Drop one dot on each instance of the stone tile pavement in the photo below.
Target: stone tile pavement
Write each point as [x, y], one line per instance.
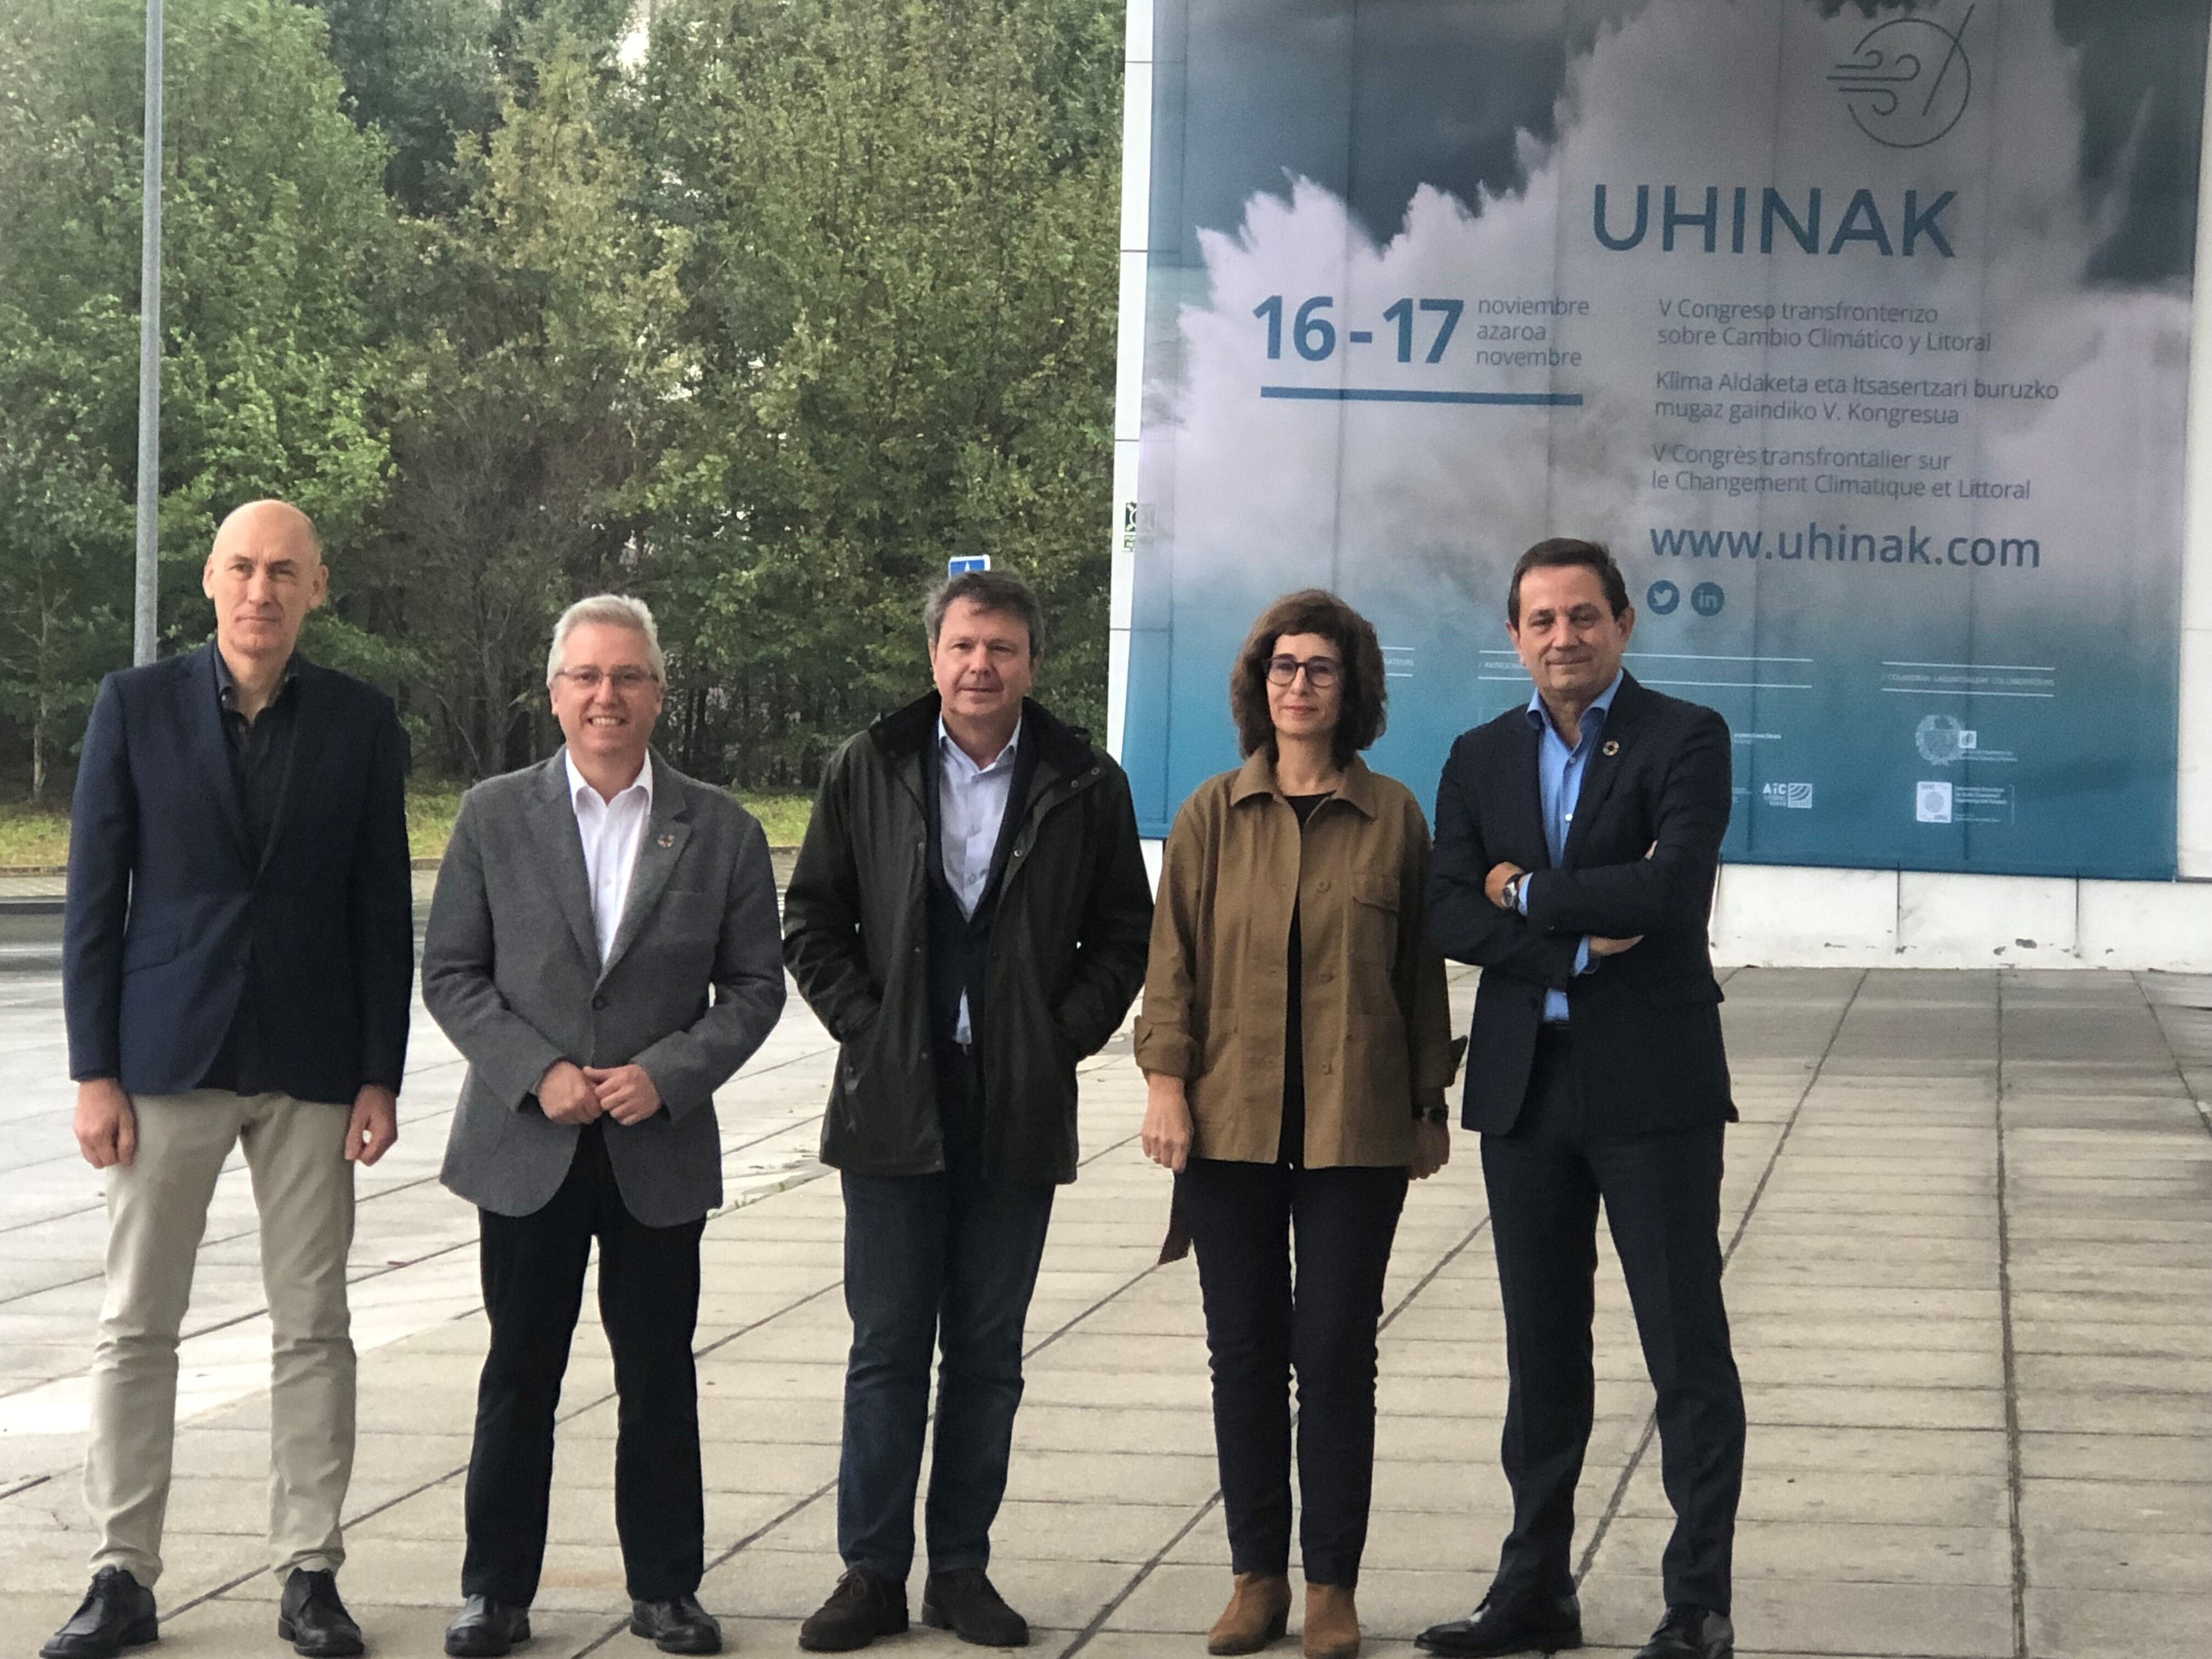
[1969, 1224]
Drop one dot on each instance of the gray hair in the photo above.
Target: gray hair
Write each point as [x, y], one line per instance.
[615, 611]
[999, 590]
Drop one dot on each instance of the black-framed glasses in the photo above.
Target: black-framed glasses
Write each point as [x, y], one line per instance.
[1322, 672]
[625, 680]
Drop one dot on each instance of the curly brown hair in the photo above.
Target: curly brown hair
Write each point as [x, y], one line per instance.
[1362, 715]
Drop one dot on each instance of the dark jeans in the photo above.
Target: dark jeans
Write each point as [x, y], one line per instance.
[946, 1260]
[533, 1288]
[1261, 1324]
[1662, 1194]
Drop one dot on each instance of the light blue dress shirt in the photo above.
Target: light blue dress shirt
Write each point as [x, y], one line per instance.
[971, 804]
[1560, 785]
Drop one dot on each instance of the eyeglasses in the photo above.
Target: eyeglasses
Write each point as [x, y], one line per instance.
[625, 680]
[1320, 672]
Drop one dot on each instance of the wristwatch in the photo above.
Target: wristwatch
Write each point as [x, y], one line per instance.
[1439, 1113]
[1512, 890]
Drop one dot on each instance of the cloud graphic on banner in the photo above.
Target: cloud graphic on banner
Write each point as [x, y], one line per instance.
[1418, 507]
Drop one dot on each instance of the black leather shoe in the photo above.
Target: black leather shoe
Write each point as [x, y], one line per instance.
[964, 1601]
[864, 1606]
[487, 1627]
[1691, 1632]
[117, 1612]
[1538, 1624]
[313, 1619]
[678, 1624]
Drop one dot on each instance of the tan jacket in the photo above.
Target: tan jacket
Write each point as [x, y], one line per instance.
[1377, 1028]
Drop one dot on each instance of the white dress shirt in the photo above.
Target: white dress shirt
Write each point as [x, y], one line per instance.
[612, 831]
[971, 804]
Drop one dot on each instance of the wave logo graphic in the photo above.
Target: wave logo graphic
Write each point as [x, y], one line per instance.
[1908, 81]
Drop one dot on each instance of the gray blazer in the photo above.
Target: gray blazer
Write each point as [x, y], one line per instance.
[511, 971]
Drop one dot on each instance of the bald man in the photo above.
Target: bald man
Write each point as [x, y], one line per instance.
[237, 959]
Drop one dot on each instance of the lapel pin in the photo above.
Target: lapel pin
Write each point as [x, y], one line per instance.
[667, 840]
[1611, 746]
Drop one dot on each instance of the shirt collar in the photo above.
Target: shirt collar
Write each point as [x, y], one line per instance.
[578, 785]
[946, 745]
[226, 683]
[1601, 706]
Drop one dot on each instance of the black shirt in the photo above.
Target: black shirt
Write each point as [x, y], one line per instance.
[260, 748]
[1291, 1148]
[260, 754]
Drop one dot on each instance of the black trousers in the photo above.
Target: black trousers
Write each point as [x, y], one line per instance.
[947, 1262]
[1262, 1324]
[533, 1288]
[1662, 1195]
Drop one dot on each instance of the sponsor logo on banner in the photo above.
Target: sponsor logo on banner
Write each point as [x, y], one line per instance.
[1908, 82]
[1796, 796]
[1931, 801]
[1942, 740]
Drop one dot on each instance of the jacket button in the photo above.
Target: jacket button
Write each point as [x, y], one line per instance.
[1327, 1066]
[599, 1002]
[1322, 886]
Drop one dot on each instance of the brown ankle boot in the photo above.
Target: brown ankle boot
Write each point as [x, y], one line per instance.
[1258, 1613]
[1332, 1629]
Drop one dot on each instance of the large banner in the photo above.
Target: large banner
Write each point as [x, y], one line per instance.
[1860, 332]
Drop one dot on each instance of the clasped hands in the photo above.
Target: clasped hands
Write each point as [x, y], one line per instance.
[1493, 888]
[576, 1095]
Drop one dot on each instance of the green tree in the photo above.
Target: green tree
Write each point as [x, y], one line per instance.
[529, 411]
[899, 329]
[276, 234]
[423, 74]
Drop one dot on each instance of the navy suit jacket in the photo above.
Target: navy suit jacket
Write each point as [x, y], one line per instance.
[1646, 1022]
[171, 922]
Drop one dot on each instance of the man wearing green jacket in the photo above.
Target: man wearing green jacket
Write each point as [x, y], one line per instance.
[970, 918]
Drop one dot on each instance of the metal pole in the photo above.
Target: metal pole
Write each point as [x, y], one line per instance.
[147, 594]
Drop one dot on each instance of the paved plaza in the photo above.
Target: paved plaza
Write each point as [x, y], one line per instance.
[1969, 1226]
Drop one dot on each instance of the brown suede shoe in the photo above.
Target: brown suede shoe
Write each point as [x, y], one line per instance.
[1258, 1613]
[1332, 1628]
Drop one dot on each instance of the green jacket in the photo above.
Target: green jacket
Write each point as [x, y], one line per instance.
[1067, 948]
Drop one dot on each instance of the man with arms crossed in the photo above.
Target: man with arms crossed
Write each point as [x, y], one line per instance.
[237, 959]
[602, 951]
[1578, 840]
[970, 917]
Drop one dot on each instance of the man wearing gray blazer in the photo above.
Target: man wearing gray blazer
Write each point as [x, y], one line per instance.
[603, 950]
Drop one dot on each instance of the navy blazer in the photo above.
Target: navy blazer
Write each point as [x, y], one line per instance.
[170, 923]
[1646, 1022]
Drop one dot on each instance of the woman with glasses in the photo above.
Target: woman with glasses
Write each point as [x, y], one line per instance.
[1296, 1046]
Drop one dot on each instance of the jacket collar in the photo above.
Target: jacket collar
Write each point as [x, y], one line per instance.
[908, 731]
[667, 828]
[1257, 777]
[1539, 718]
[226, 683]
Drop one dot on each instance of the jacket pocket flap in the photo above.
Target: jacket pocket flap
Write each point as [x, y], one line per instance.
[1382, 891]
[151, 948]
[1676, 994]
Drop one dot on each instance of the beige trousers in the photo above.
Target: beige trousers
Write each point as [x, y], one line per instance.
[157, 1209]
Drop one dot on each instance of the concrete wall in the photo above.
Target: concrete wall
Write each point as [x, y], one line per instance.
[1780, 915]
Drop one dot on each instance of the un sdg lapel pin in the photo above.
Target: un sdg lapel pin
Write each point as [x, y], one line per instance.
[1610, 747]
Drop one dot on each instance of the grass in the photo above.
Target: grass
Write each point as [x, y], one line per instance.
[33, 837]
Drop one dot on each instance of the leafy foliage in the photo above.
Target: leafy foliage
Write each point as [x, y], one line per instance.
[761, 320]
